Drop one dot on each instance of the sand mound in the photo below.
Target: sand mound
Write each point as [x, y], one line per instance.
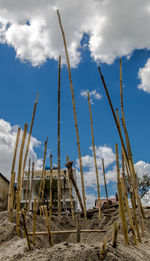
[65, 247]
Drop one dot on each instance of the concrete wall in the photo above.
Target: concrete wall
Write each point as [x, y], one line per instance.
[4, 186]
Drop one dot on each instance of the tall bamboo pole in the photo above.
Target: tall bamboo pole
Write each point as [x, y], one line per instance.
[59, 181]
[12, 169]
[121, 203]
[48, 225]
[106, 187]
[95, 161]
[30, 192]
[75, 115]
[51, 182]
[43, 169]
[34, 219]
[12, 196]
[131, 163]
[70, 192]
[28, 141]
[27, 185]
[19, 179]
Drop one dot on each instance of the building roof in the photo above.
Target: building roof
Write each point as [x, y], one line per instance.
[3, 177]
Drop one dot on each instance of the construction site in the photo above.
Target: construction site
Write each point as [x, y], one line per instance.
[44, 213]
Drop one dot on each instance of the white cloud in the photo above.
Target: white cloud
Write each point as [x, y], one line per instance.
[7, 143]
[115, 28]
[94, 95]
[142, 168]
[144, 76]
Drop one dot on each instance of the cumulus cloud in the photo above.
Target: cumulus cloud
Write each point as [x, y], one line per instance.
[94, 95]
[115, 28]
[7, 143]
[142, 168]
[144, 76]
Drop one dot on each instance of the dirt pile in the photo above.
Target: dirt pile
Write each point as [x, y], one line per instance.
[65, 247]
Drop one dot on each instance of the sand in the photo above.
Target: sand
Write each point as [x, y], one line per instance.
[65, 247]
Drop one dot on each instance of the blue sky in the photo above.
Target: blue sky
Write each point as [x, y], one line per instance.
[28, 66]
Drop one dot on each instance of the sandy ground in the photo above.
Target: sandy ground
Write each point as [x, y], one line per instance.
[65, 247]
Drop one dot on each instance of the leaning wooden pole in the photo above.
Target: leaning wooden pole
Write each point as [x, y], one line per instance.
[70, 192]
[95, 161]
[12, 170]
[27, 185]
[51, 182]
[106, 187]
[12, 197]
[19, 179]
[58, 132]
[121, 202]
[28, 141]
[75, 115]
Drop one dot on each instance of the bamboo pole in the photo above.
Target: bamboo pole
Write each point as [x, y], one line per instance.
[43, 168]
[28, 141]
[27, 185]
[30, 192]
[12, 196]
[103, 249]
[59, 181]
[12, 170]
[123, 186]
[39, 233]
[121, 203]
[95, 161]
[51, 182]
[69, 167]
[131, 164]
[19, 179]
[43, 187]
[25, 229]
[78, 230]
[34, 219]
[64, 194]
[115, 234]
[70, 192]
[106, 187]
[75, 115]
[48, 226]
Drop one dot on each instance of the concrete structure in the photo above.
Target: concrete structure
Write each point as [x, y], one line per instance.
[103, 201]
[4, 187]
[36, 184]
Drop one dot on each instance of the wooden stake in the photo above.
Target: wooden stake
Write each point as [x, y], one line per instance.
[28, 141]
[48, 226]
[12, 196]
[12, 171]
[27, 185]
[19, 180]
[106, 187]
[95, 161]
[103, 249]
[34, 219]
[121, 203]
[30, 192]
[78, 230]
[51, 182]
[25, 229]
[75, 115]
[70, 192]
[115, 234]
[59, 181]
[69, 166]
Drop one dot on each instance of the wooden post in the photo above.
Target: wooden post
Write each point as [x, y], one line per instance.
[95, 161]
[48, 226]
[30, 192]
[25, 229]
[59, 181]
[43, 168]
[69, 166]
[34, 219]
[28, 141]
[64, 194]
[121, 203]
[106, 187]
[12, 170]
[12, 197]
[27, 185]
[123, 186]
[115, 234]
[19, 180]
[70, 192]
[75, 115]
[78, 230]
[103, 249]
[51, 182]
